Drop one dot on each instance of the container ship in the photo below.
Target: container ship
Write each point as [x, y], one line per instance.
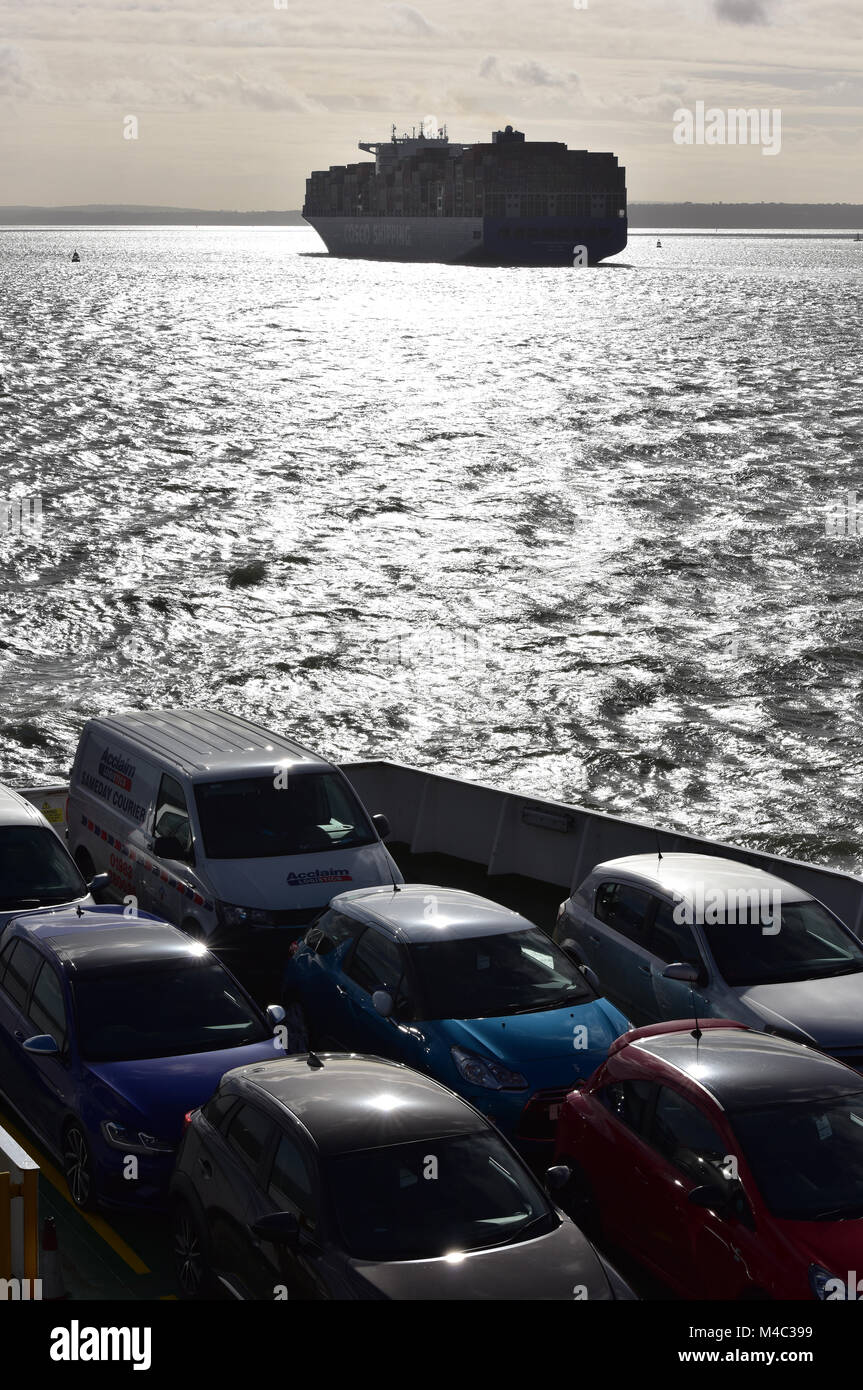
[511, 202]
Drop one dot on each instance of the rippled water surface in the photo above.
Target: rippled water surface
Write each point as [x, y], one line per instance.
[562, 531]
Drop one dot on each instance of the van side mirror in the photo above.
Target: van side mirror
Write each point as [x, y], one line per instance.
[592, 979]
[709, 1198]
[381, 825]
[557, 1177]
[98, 885]
[169, 847]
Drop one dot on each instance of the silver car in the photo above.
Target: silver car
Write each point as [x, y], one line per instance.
[36, 869]
[675, 935]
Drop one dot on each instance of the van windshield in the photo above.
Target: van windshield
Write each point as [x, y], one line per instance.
[35, 869]
[252, 818]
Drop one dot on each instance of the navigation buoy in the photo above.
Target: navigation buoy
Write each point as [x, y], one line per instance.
[659, 244]
[75, 256]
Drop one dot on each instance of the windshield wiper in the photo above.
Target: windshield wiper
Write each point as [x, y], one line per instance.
[20, 902]
[838, 1214]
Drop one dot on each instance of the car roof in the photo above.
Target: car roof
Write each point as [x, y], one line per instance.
[206, 741]
[358, 1102]
[420, 912]
[683, 874]
[17, 810]
[742, 1068]
[104, 937]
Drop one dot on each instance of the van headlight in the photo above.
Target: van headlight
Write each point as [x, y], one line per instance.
[823, 1283]
[234, 916]
[482, 1071]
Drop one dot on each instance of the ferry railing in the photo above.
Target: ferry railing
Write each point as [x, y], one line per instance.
[19, 1221]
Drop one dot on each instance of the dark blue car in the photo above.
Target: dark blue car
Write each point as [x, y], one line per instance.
[112, 1028]
[458, 987]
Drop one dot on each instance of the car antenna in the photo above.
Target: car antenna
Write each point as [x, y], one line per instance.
[658, 845]
[80, 913]
[313, 1060]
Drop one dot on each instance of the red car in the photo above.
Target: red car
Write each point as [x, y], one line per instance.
[728, 1162]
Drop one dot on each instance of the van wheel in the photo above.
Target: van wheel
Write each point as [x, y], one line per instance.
[193, 928]
[85, 864]
[191, 1254]
[78, 1167]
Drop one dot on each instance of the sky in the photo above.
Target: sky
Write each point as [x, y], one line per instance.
[236, 101]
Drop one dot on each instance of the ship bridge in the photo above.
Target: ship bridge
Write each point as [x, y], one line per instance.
[402, 146]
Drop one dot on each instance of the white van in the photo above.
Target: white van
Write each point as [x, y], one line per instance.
[218, 825]
[36, 870]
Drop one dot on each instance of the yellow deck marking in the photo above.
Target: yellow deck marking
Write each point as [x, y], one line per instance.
[96, 1223]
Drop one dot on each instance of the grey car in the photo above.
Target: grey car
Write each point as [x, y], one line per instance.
[759, 950]
[350, 1177]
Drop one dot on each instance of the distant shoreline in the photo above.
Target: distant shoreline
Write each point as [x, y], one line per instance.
[685, 217]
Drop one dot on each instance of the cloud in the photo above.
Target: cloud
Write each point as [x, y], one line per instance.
[527, 74]
[412, 21]
[14, 84]
[742, 11]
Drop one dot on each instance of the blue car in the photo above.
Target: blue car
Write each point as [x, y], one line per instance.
[111, 1030]
[457, 987]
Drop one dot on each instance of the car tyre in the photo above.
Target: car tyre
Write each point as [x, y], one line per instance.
[78, 1167]
[190, 1254]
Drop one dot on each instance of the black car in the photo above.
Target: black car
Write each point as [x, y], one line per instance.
[350, 1177]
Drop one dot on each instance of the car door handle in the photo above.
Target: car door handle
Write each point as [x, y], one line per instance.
[645, 969]
[594, 939]
[205, 1168]
[19, 1036]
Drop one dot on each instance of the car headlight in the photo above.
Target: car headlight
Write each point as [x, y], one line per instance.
[234, 916]
[482, 1071]
[119, 1137]
[820, 1278]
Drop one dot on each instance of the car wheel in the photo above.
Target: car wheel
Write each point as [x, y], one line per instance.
[191, 1254]
[78, 1168]
[578, 1200]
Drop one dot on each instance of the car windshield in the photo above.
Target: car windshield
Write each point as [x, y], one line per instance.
[161, 1010]
[809, 945]
[252, 818]
[807, 1157]
[496, 973]
[436, 1197]
[35, 869]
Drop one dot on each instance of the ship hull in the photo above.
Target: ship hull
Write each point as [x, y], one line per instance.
[538, 241]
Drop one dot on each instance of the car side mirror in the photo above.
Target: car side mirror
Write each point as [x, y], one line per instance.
[592, 978]
[279, 1228]
[686, 974]
[712, 1199]
[169, 847]
[381, 825]
[276, 1014]
[382, 1003]
[98, 885]
[43, 1045]
[557, 1177]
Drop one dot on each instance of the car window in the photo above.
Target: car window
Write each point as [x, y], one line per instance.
[672, 941]
[623, 908]
[291, 1186]
[217, 1110]
[331, 930]
[248, 1133]
[22, 969]
[47, 1010]
[683, 1134]
[629, 1102]
[172, 816]
[5, 957]
[378, 963]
